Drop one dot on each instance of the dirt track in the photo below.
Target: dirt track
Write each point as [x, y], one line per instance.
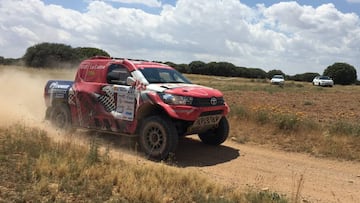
[231, 164]
[246, 165]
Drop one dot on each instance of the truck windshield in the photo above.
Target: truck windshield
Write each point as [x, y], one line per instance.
[162, 75]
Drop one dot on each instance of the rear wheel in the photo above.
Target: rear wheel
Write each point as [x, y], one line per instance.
[60, 117]
[217, 135]
[158, 137]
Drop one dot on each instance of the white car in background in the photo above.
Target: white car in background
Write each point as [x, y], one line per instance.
[277, 80]
[322, 80]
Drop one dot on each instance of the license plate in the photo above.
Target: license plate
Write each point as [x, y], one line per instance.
[207, 120]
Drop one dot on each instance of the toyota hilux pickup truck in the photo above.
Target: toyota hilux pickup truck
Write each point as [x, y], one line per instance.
[150, 101]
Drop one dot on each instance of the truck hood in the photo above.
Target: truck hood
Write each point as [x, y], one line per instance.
[186, 90]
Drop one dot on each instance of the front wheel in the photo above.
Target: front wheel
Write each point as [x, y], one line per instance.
[158, 137]
[217, 135]
[60, 117]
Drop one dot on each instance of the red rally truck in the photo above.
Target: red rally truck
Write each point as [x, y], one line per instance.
[149, 100]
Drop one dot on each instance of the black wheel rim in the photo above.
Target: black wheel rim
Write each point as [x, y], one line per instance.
[59, 119]
[155, 138]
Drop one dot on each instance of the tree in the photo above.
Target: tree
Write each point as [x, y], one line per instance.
[341, 73]
[306, 77]
[49, 55]
[271, 73]
[197, 67]
[223, 69]
[256, 73]
[182, 68]
[10, 61]
[58, 55]
[87, 52]
[169, 63]
[241, 72]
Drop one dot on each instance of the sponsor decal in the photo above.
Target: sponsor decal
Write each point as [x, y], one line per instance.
[56, 91]
[56, 85]
[93, 66]
[125, 104]
[91, 73]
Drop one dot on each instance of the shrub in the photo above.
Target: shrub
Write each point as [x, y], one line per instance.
[344, 128]
[341, 73]
[288, 122]
[262, 116]
[239, 111]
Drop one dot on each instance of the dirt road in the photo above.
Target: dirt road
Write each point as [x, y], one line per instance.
[238, 165]
[250, 166]
[231, 164]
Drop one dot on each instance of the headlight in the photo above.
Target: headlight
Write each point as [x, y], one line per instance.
[176, 99]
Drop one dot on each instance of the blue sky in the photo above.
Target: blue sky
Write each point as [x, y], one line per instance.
[80, 5]
[342, 5]
[293, 36]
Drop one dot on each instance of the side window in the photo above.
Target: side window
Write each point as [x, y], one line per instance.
[117, 74]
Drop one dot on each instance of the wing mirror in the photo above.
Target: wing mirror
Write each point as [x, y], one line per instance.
[130, 81]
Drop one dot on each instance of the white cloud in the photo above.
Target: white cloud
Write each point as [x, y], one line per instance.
[150, 3]
[316, 33]
[286, 36]
[353, 1]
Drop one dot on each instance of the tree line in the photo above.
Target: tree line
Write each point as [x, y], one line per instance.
[55, 55]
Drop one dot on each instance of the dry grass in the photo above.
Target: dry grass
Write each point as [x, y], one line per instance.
[291, 132]
[299, 117]
[36, 169]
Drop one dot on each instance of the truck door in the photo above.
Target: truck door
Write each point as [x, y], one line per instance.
[123, 97]
[125, 102]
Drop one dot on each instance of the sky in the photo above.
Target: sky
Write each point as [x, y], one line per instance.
[293, 36]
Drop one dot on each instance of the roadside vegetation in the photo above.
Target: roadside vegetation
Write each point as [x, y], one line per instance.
[297, 124]
[34, 168]
[292, 132]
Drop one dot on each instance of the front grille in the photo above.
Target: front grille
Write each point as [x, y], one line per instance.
[201, 102]
[211, 113]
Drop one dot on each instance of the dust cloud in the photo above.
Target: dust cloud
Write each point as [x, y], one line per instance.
[22, 101]
[22, 93]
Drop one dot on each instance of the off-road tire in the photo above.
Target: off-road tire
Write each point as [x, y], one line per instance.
[157, 137]
[60, 117]
[217, 135]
